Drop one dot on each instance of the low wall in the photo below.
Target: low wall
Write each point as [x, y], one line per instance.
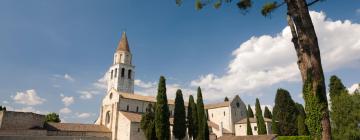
[77, 133]
[21, 120]
[18, 132]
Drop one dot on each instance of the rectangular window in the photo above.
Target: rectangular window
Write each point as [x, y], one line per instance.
[255, 128]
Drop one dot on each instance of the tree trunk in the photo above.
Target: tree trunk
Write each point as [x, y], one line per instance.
[309, 61]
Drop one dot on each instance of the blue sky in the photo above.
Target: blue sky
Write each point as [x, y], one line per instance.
[61, 48]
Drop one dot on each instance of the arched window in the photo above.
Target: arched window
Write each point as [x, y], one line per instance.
[122, 72]
[107, 119]
[137, 109]
[110, 96]
[129, 74]
[115, 72]
[111, 75]
[127, 108]
[224, 113]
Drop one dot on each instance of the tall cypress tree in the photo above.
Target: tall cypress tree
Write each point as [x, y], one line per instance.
[301, 126]
[267, 113]
[285, 113]
[248, 125]
[201, 125]
[162, 124]
[336, 87]
[259, 118]
[250, 112]
[147, 123]
[192, 118]
[274, 126]
[179, 128]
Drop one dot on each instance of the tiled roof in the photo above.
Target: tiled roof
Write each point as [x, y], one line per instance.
[133, 117]
[75, 127]
[217, 105]
[213, 125]
[123, 44]
[252, 120]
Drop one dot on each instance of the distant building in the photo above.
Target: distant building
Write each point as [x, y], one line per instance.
[241, 126]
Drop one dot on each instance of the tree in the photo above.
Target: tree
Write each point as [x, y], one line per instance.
[274, 126]
[192, 118]
[308, 53]
[259, 118]
[162, 124]
[2, 108]
[250, 112]
[202, 121]
[147, 123]
[285, 113]
[345, 112]
[248, 125]
[52, 117]
[267, 113]
[336, 87]
[301, 126]
[226, 99]
[179, 128]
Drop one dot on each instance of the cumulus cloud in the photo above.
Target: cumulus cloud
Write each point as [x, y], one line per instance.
[266, 60]
[65, 110]
[29, 109]
[67, 100]
[65, 77]
[354, 87]
[87, 94]
[29, 97]
[101, 84]
[83, 115]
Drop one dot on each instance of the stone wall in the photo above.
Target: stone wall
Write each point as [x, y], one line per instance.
[21, 120]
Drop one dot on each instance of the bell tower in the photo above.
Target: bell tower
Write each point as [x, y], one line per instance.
[121, 73]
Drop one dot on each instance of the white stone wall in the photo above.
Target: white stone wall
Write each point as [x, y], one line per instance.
[123, 132]
[240, 129]
[221, 116]
[119, 83]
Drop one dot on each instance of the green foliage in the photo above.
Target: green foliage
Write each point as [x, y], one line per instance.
[147, 123]
[248, 125]
[2, 108]
[294, 138]
[267, 113]
[274, 125]
[285, 113]
[52, 117]
[162, 124]
[250, 112]
[179, 128]
[192, 118]
[314, 104]
[202, 121]
[198, 5]
[244, 4]
[268, 8]
[345, 112]
[336, 87]
[226, 99]
[259, 118]
[301, 126]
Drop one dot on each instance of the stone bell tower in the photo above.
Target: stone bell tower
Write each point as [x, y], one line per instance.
[121, 73]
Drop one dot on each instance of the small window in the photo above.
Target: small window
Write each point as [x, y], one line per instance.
[129, 74]
[224, 113]
[127, 108]
[115, 72]
[111, 75]
[120, 58]
[238, 104]
[212, 115]
[111, 95]
[137, 109]
[122, 72]
[255, 128]
[138, 129]
[107, 119]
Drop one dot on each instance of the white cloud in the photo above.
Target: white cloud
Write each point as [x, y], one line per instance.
[65, 110]
[357, 11]
[143, 84]
[266, 60]
[5, 102]
[67, 100]
[83, 115]
[29, 109]
[65, 77]
[354, 87]
[101, 84]
[87, 94]
[28, 97]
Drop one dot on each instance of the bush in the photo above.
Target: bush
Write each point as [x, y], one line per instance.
[293, 138]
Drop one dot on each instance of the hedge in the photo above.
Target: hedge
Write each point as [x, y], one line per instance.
[293, 138]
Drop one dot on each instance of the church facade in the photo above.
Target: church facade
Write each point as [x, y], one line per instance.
[121, 108]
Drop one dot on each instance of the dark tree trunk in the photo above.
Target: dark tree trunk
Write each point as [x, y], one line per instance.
[308, 53]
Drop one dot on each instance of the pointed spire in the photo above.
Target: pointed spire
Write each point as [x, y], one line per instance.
[123, 44]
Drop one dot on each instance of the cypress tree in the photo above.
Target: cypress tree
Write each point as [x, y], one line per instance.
[259, 118]
[250, 112]
[201, 125]
[248, 125]
[301, 126]
[162, 124]
[285, 113]
[147, 123]
[267, 113]
[192, 118]
[179, 128]
[336, 87]
[274, 126]
[226, 99]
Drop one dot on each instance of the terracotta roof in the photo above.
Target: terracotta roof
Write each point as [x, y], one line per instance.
[252, 137]
[252, 120]
[213, 125]
[217, 105]
[75, 127]
[133, 117]
[123, 44]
